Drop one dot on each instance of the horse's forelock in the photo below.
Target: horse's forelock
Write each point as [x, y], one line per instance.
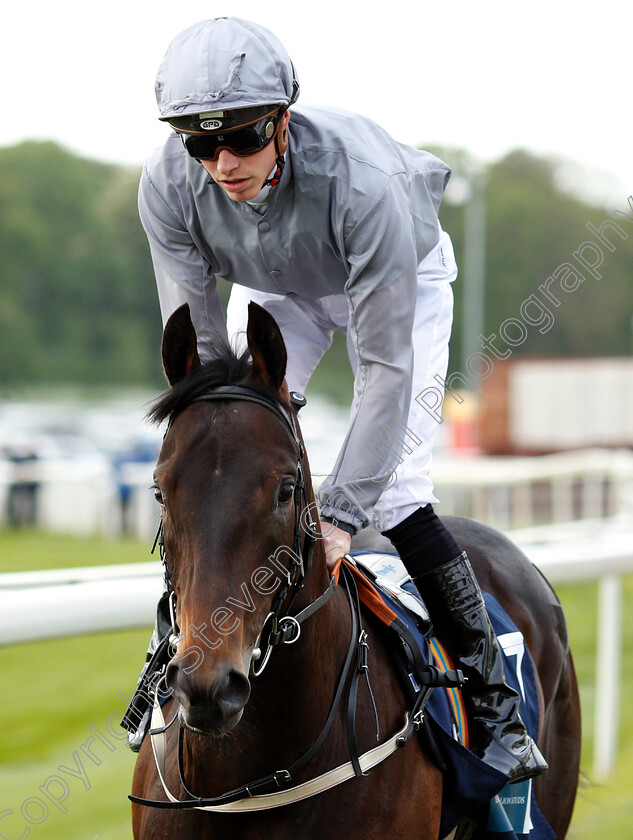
[227, 368]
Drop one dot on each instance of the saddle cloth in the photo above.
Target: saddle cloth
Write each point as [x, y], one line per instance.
[471, 787]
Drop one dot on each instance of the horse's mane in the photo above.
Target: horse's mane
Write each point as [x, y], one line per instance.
[226, 368]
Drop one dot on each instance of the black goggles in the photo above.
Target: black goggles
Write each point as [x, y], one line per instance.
[243, 141]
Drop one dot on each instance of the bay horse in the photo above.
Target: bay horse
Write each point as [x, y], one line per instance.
[233, 484]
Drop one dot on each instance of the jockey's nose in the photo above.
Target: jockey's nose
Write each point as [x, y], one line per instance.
[212, 702]
[227, 162]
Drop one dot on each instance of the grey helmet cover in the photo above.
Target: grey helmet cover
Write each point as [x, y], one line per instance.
[224, 64]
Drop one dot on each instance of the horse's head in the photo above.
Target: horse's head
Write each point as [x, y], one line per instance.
[227, 481]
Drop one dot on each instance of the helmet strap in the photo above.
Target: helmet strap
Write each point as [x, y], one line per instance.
[281, 144]
[276, 176]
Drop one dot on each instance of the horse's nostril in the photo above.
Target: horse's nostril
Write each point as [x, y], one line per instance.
[230, 693]
[178, 682]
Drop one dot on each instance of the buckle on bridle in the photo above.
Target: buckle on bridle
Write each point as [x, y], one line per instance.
[418, 719]
[264, 641]
[282, 777]
[289, 630]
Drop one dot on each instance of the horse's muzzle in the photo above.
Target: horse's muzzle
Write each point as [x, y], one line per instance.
[210, 704]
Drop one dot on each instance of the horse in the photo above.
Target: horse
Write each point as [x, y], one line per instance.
[236, 499]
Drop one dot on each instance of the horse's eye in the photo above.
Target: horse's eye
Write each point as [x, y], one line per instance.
[286, 492]
[157, 494]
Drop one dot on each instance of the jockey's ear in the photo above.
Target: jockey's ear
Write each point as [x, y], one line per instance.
[282, 133]
[179, 348]
[267, 347]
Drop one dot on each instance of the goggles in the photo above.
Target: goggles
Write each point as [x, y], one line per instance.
[242, 140]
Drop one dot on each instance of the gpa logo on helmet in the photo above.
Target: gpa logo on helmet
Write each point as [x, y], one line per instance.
[211, 125]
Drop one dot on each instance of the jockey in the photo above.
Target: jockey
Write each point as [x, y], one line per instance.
[330, 224]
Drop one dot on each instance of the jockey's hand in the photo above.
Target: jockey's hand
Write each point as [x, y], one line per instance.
[336, 543]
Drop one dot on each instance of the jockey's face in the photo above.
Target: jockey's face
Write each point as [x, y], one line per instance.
[242, 176]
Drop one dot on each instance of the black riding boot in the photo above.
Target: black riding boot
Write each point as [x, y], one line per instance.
[137, 717]
[458, 611]
[447, 583]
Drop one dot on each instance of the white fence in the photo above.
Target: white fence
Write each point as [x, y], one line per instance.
[62, 495]
[38, 605]
[590, 550]
[71, 602]
[84, 496]
[510, 493]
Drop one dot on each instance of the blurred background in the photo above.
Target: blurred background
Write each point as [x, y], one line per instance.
[528, 107]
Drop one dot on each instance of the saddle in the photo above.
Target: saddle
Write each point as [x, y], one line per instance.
[473, 790]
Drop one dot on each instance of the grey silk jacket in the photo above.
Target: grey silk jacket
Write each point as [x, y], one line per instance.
[354, 213]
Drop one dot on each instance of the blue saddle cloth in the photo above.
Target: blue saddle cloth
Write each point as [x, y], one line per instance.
[470, 784]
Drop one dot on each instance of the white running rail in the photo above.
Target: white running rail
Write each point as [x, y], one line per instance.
[65, 602]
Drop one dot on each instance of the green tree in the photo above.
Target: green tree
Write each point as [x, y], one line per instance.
[78, 301]
[76, 279]
[533, 226]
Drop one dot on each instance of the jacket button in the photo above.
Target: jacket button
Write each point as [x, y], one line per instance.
[264, 226]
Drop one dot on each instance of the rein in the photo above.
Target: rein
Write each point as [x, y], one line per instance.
[273, 790]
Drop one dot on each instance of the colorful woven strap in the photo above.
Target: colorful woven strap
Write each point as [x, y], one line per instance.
[444, 662]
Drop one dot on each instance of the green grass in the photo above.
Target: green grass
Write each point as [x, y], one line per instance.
[26, 550]
[604, 811]
[58, 690]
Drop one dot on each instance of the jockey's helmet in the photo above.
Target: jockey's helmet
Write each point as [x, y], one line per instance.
[225, 74]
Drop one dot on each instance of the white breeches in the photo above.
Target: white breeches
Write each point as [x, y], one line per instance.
[307, 328]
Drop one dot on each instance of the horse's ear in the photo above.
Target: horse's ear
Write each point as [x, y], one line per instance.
[267, 347]
[180, 346]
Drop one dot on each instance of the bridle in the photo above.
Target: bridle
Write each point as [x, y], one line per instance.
[284, 629]
[277, 629]
[274, 790]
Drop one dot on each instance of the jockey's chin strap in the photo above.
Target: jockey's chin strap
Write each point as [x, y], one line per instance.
[281, 141]
[276, 176]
